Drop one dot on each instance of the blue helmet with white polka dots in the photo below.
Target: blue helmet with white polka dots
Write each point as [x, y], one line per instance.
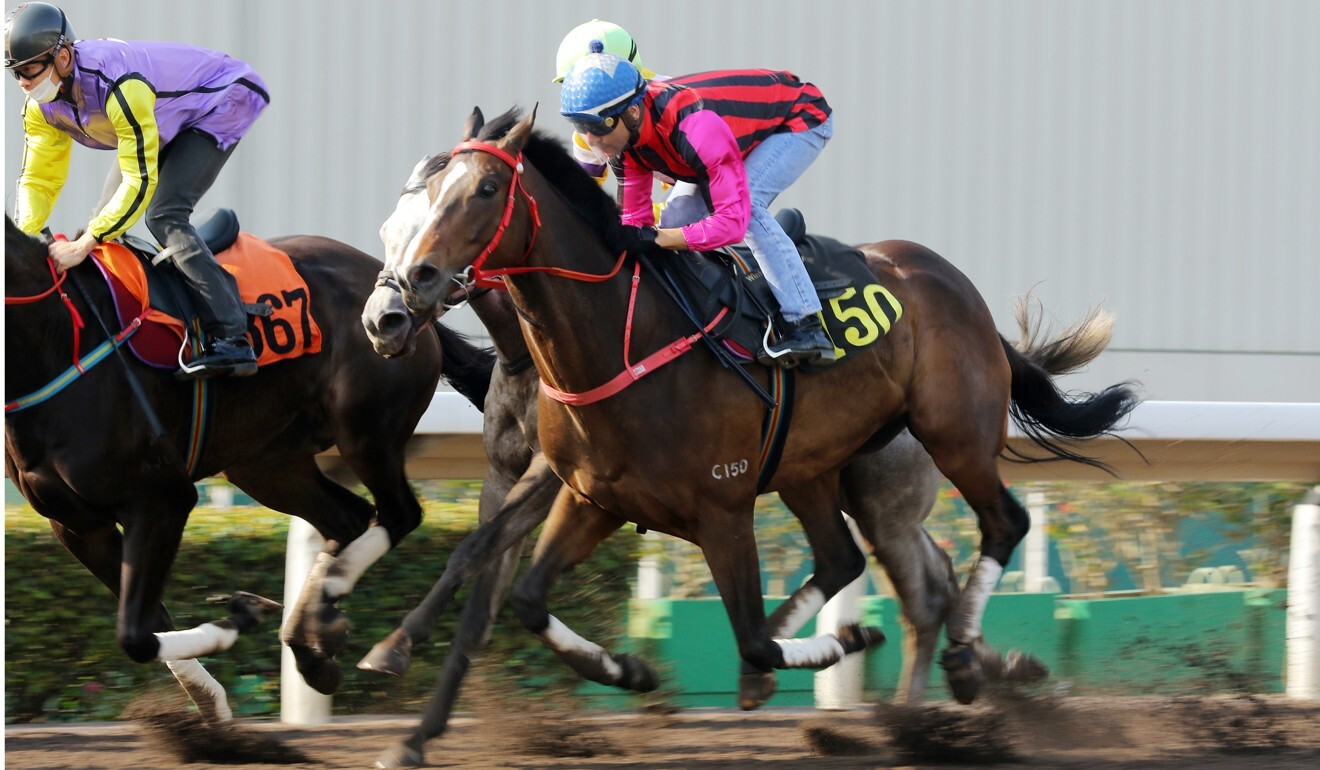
[598, 88]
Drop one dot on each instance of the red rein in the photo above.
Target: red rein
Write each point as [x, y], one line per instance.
[59, 279]
[631, 372]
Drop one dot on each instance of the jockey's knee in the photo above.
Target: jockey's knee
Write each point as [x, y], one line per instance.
[141, 646]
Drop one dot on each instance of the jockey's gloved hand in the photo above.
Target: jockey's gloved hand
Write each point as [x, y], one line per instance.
[641, 240]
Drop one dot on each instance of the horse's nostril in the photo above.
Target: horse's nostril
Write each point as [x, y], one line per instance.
[423, 275]
[390, 322]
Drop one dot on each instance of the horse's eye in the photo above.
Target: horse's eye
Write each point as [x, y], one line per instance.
[487, 189]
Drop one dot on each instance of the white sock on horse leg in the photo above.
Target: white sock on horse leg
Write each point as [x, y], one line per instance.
[965, 626]
[206, 639]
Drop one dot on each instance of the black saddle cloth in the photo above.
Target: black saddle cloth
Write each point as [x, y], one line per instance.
[732, 278]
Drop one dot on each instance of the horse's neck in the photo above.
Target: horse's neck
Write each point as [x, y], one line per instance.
[497, 314]
[40, 334]
[575, 329]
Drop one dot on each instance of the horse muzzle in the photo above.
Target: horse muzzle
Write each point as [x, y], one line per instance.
[391, 328]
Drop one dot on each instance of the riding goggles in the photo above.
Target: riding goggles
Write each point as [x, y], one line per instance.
[602, 127]
[20, 71]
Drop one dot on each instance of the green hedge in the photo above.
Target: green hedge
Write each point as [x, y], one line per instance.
[62, 663]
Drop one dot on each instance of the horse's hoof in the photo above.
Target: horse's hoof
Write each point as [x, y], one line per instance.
[637, 675]
[330, 634]
[320, 674]
[856, 638]
[963, 671]
[755, 688]
[391, 655]
[400, 755]
[247, 610]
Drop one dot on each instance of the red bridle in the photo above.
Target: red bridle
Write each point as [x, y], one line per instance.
[490, 278]
[631, 372]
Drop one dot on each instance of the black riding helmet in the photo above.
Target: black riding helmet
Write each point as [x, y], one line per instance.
[33, 30]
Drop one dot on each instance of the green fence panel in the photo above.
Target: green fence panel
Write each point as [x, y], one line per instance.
[1188, 643]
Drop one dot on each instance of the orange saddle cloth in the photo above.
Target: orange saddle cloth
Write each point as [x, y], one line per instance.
[265, 275]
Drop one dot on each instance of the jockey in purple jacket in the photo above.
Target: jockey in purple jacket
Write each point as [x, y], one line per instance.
[173, 113]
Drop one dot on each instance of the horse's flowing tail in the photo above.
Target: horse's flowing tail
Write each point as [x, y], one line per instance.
[1043, 412]
[465, 366]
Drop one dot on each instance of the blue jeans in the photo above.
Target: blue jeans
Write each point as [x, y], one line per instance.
[775, 164]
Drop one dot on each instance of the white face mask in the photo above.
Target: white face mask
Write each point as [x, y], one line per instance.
[46, 90]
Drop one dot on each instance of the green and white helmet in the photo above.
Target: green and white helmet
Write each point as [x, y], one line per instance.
[577, 44]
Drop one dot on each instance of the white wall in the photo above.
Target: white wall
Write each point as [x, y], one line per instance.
[1160, 155]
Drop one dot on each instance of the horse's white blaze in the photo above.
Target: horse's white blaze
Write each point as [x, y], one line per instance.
[807, 603]
[344, 573]
[817, 652]
[403, 225]
[563, 639]
[456, 170]
[965, 626]
[206, 639]
[192, 676]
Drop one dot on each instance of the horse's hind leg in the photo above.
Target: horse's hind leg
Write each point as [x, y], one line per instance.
[890, 493]
[314, 629]
[964, 437]
[101, 552]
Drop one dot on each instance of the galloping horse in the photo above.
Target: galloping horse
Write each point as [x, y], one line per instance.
[889, 492]
[521, 208]
[86, 459]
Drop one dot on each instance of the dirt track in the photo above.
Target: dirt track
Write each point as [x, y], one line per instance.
[1214, 733]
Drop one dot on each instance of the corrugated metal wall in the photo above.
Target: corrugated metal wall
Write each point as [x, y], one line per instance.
[1160, 155]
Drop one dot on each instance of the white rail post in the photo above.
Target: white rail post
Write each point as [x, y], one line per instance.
[1036, 556]
[1302, 678]
[839, 687]
[299, 704]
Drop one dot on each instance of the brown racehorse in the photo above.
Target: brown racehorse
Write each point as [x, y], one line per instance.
[87, 460]
[520, 207]
[889, 492]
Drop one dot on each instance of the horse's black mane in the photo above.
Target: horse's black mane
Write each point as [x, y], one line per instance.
[550, 157]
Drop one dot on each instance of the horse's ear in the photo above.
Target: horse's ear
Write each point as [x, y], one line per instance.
[474, 123]
[518, 135]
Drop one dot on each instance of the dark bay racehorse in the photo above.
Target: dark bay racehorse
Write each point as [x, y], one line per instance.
[645, 455]
[893, 489]
[87, 461]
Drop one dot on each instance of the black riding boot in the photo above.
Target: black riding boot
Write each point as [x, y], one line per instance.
[804, 342]
[222, 357]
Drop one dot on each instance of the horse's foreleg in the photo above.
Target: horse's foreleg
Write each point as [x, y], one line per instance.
[101, 552]
[488, 592]
[524, 508]
[838, 563]
[572, 532]
[728, 542]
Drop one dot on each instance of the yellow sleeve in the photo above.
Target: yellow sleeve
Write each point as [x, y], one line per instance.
[45, 167]
[131, 107]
